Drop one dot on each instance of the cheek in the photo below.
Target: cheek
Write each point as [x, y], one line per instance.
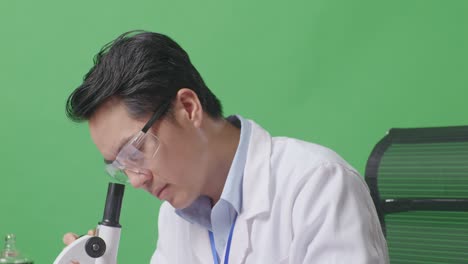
[175, 163]
[180, 157]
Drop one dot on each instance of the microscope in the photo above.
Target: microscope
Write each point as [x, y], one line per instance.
[103, 247]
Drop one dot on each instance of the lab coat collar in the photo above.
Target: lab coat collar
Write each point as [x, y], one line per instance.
[257, 195]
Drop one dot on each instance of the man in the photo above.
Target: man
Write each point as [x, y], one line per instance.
[233, 194]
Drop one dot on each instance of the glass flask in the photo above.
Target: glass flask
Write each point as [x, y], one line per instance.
[10, 254]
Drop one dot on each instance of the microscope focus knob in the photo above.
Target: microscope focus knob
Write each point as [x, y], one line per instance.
[95, 247]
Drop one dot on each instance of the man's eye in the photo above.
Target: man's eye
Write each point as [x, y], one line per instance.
[142, 148]
[135, 155]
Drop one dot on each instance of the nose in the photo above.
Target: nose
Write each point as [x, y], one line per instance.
[138, 179]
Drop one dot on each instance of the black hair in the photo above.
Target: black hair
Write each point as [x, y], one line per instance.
[143, 69]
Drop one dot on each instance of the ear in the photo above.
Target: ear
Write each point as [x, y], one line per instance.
[188, 107]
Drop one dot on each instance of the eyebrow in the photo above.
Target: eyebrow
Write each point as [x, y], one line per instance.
[121, 145]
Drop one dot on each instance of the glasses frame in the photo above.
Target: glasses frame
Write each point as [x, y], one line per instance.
[158, 114]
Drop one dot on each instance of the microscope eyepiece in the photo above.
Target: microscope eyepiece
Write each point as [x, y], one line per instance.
[113, 205]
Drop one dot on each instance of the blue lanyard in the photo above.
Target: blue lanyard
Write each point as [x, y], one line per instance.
[228, 246]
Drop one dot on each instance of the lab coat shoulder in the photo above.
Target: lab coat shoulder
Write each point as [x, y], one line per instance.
[320, 209]
[296, 161]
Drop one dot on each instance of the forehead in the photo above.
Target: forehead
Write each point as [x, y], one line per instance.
[110, 125]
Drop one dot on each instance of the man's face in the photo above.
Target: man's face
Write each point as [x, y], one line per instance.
[174, 173]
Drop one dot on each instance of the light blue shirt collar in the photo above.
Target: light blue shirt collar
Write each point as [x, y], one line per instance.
[232, 191]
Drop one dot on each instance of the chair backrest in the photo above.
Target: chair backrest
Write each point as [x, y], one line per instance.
[419, 183]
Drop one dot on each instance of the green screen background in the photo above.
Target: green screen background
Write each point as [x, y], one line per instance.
[339, 73]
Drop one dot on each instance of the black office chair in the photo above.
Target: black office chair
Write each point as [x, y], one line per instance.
[419, 183]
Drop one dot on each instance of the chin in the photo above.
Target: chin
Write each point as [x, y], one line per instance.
[180, 203]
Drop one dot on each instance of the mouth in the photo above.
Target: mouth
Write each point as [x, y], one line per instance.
[158, 192]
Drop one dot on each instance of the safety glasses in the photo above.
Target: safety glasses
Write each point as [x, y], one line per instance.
[136, 155]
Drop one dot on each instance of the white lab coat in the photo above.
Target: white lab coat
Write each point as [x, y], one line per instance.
[301, 203]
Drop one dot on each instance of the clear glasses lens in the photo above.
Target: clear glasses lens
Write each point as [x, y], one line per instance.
[135, 156]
